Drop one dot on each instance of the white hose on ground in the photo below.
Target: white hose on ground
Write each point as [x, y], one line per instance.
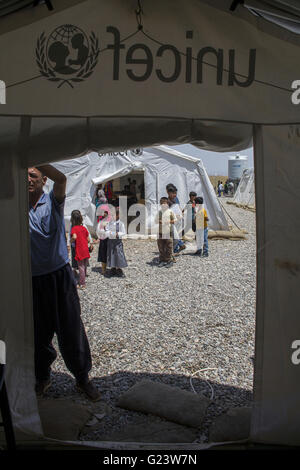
[203, 370]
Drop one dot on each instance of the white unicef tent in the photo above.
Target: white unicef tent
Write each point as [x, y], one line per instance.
[161, 165]
[245, 193]
[211, 73]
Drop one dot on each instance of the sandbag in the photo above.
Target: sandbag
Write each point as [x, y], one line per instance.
[171, 403]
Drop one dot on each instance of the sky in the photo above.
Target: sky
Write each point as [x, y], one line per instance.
[216, 163]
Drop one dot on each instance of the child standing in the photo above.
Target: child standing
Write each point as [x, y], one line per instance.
[201, 227]
[115, 253]
[165, 219]
[190, 207]
[79, 235]
[220, 189]
[205, 245]
[103, 237]
[70, 243]
[173, 201]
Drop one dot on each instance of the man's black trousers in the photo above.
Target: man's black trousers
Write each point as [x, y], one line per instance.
[56, 309]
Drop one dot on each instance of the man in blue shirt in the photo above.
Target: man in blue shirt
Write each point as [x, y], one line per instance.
[56, 306]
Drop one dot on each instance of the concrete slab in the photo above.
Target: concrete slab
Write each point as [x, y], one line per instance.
[62, 419]
[150, 430]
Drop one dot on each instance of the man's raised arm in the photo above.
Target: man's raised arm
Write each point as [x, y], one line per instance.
[60, 181]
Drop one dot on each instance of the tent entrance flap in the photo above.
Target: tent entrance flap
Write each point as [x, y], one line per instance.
[116, 172]
[276, 412]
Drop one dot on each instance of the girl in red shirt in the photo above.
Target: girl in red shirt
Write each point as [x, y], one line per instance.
[79, 235]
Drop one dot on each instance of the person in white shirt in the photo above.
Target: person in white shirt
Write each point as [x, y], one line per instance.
[178, 244]
[231, 187]
[116, 259]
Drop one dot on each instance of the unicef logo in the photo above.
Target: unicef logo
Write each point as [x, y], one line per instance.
[68, 55]
[138, 152]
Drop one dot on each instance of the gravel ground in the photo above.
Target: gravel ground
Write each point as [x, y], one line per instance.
[167, 324]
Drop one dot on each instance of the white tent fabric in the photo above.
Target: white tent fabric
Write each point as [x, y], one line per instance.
[189, 71]
[143, 66]
[161, 165]
[283, 13]
[245, 193]
[276, 414]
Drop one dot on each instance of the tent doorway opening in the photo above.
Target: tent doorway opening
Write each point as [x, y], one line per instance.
[131, 185]
[190, 327]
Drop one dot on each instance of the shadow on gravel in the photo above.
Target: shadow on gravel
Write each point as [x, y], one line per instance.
[97, 269]
[154, 262]
[114, 385]
[190, 253]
